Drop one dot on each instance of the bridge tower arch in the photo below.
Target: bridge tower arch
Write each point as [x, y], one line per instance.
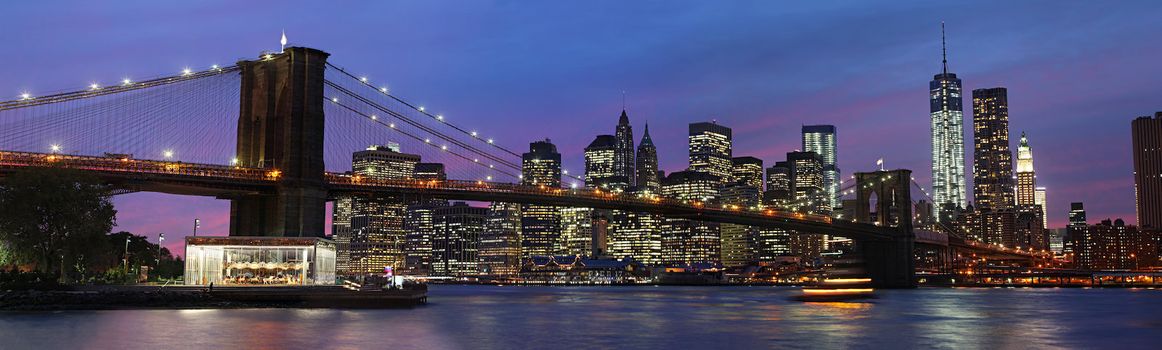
[889, 262]
[280, 128]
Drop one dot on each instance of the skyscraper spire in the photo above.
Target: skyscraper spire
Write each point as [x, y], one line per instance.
[943, 49]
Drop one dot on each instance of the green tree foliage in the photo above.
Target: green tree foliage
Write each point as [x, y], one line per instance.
[142, 252]
[56, 220]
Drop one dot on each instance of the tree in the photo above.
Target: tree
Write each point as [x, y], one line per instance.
[55, 219]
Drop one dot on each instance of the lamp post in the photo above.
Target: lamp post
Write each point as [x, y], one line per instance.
[126, 260]
[160, 239]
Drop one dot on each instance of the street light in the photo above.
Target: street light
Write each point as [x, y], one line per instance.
[197, 224]
[126, 255]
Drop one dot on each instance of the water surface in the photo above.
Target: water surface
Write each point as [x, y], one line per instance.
[489, 317]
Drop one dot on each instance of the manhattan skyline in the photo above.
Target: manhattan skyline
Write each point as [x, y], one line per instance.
[863, 70]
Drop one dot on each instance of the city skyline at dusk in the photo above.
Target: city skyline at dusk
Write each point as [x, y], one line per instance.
[519, 73]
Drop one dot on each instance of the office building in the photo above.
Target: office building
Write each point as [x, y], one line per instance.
[711, 150]
[499, 249]
[637, 236]
[647, 164]
[377, 228]
[601, 164]
[685, 241]
[455, 246]
[624, 151]
[992, 169]
[748, 171]
[947, 112]
[540, 224]
[576, 232]
[821, 140]
[1147, 148]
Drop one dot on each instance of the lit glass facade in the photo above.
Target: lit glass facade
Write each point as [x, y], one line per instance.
[689, 241]
[821, 140]
[576, 232]
[378, 236]
[947, 113]
[259, 261]
[500, 242]
[636, 235]
[601, 164]
[992, 169]
[455, 246]
[540, 225]
[710, 150]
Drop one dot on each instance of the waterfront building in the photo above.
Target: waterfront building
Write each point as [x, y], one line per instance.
[377, 221]
[420, 225]
[947, 113]
[711, 150]
[637, 236]
[648, 177]
[576, 232]
[540, 224]
[685, 241]
[624, 151]
[455, 246]
[237, 260]
[821, 139]
[1147, 148]
[1115, 245]
[601, 170]
[341, 233]
[499, 249]
[738, 241]
[992, 160]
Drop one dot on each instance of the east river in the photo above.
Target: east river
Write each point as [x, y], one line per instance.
[508, 317]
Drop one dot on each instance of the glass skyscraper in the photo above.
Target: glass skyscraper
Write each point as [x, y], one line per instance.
[821, 140]
[947, 114]
[992, 168]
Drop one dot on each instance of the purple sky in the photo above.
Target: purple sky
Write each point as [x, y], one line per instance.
[1076, 74]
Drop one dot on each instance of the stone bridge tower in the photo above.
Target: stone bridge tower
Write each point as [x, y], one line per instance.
[280, 128]
[889, 262]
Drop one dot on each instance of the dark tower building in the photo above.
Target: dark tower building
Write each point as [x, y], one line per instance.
[624, 157]
[710, 150]
[1147, 143]
[647, 164]
[540, 224]
[947, 112]
[601, 164]
[280, 128]
[992, 169]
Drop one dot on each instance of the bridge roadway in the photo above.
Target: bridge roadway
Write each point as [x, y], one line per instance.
[229, 181]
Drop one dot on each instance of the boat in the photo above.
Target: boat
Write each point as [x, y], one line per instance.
[838, 289]
[846, 280]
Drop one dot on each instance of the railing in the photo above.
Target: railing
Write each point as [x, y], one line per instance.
[125, 164]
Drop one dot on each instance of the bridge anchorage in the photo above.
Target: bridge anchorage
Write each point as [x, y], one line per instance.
[278, 182]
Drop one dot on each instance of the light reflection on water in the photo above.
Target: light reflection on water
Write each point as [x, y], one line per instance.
[472, 317]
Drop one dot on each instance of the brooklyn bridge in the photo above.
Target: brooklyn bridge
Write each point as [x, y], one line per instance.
[273, 136]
